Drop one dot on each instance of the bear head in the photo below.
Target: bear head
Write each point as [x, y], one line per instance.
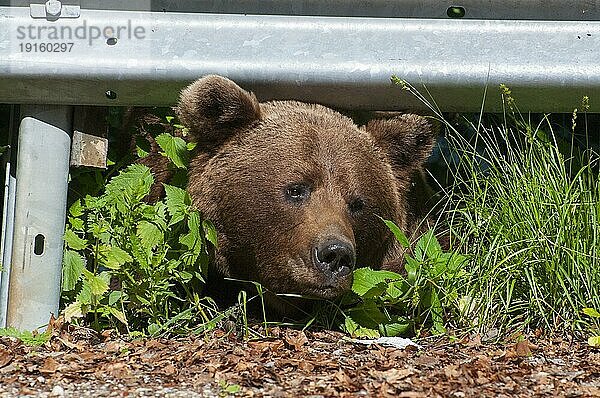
[297, 191]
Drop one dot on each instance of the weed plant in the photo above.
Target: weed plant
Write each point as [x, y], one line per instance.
[138, 266]
[423, 301]
[525, 207]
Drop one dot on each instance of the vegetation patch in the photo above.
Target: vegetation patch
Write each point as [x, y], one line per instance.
[136, 266]
[522, 212]
[525, 206]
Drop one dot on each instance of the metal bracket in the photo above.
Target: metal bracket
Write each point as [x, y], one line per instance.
[88, 150]
[54, 9]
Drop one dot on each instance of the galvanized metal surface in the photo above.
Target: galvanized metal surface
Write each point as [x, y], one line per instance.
[8, 217]
[342, 62]
[8, 214]
[474, 9]
[40, 205]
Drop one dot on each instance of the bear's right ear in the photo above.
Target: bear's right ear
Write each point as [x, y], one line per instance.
[213, 107]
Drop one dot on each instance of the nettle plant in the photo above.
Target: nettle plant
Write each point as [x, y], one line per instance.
[133, 265]
[424, 299]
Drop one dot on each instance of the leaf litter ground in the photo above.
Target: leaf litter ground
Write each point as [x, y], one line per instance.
[77, 362]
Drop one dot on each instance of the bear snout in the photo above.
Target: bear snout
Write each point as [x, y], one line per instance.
[335, 259]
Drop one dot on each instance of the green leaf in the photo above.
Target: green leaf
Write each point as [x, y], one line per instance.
[395, 328]
[594, 341]
[76, 223]
[186, 276]
[27, 337]
[175, 149]
[141, 153]
[85, 294]
[177, 201]
[210, 232]
[432, 300]
[412, 268]
[150, 235]
[114, 297]
[192, 240]
[132, 184]
[76, 209]
[591, 312]
[398, 290]
[366, 279]
[138, 252]
[400, 236]
[97, 284]
[73, 266]
[114, 257]
[355, 330]
[368, 314]
[118, 314]
[427, 247]
[73, 310]
[153, 329]
[232, 388]
[73, 241]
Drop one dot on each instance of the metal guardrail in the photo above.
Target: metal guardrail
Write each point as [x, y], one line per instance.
[574, 10]
[339, 61]
[340, 53]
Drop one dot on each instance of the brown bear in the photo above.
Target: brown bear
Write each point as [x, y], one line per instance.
[297, 191]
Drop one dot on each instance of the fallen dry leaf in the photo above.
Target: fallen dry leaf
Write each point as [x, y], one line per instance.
[50, 365]
[114, 346]
[393, 376]
[306, 366]
[5, 357]
[522, 349]
[296, 339]
[452, 371]
[474, 341]
[155, 344]
[169, 369]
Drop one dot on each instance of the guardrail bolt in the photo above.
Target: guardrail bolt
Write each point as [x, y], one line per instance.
[53, 7]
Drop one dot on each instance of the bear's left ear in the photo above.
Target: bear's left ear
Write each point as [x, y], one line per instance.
[213, 107]
[407, 140]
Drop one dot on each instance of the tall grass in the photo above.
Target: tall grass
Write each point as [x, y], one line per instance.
[525, 205]
[531, 221]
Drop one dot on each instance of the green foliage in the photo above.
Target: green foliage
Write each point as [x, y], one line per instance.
[131, 265]
[28, 338]
[227, 389]
[525, 204]
[175, 148]
[593, 340]
[532, 221]
[390, 304]
[135, 265]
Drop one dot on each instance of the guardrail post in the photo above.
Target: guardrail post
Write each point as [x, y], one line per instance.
[8, 216]
[39, 215]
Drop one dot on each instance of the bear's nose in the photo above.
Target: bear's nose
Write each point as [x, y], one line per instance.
[335, 257]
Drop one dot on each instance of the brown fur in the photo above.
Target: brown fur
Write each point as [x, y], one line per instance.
[248, 153]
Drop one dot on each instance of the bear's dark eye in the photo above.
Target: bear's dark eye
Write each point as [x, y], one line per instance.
[356, 206]
[297, 193]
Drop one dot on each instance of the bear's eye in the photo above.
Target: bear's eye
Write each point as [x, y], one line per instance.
[297, 193]
[356, 206]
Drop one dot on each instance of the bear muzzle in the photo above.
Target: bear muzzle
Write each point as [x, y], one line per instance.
[335, 259]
